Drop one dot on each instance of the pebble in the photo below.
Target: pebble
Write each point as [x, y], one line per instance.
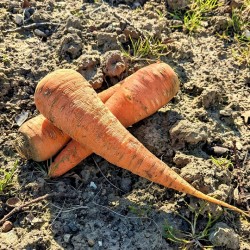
[91, 242]
[226, 112]
[224, 236]
[39, 33]
[93, 185]
[18, 19]
[219, 150]
[247, 34]
[7, 226]
[239, 146]
[66, 238]
[22, 117]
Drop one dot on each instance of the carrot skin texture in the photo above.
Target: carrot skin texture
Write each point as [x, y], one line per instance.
[139, 96]
[39, 135]
[38, 139]
[91, 122]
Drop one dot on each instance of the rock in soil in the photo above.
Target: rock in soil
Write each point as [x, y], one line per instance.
[224, 236]
[7, 226]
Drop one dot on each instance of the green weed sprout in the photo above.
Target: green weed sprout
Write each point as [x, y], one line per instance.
[193, 238]
[222, 163]
[7, 176]
[192, 18]
[145, 47]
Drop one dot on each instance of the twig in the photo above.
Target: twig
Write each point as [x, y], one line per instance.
[31, 27]
[24, 206]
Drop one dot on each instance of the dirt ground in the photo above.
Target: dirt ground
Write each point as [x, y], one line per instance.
[203, 133]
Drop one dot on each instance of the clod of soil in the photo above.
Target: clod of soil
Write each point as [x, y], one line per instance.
[178, 5]
[89, 67]
[70, 47]
[224, 236]
[185, 132]
[113, 63]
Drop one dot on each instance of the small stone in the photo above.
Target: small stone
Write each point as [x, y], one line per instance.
[7, 226]
[39, 33]
[18, 19]
[100, 243]
[219, 150]
[66, 238]
[247, 34]
[224, 236]
[21, 118]
[226, 112]
[93, 185]
[238, 145]
[91, 242]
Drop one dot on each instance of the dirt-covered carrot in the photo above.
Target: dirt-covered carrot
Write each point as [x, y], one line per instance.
[38, 139]
[66, 99]
[148, 91]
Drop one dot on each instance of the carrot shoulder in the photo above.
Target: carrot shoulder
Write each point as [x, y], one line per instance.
[140, 95]
[38, 139]
[59, 97]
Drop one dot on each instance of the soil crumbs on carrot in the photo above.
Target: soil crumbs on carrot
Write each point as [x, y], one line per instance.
[204, 133]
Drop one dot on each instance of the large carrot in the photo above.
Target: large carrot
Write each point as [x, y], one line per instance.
[38, 139]
[59, 97]
[146, 95]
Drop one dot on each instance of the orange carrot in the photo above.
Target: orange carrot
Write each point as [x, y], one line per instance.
[139, 96]
[38, 139]
[67, 99]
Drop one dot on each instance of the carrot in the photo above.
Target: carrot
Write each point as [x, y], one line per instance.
[136, 99]
[59, 97]
[38, 139]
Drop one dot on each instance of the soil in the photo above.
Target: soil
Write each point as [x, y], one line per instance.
[105, 207]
